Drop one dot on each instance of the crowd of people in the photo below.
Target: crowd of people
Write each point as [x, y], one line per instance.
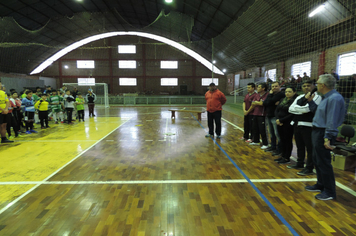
[19, 111]
[312, 120]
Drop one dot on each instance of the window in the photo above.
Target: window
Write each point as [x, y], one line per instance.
[128, 82]
[169, 64]
[85, 64]
[299, 69]
[207, 81]
[127, 49]
[347, 64]
[169, 82]
[86, 81]
[271, 74]
[125, 64]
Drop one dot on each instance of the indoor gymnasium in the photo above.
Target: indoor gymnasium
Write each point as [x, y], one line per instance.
[177, 117]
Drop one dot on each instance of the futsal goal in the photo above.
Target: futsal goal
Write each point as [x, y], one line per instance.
[100, 90]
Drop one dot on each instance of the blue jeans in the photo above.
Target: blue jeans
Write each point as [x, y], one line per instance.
[273, 132]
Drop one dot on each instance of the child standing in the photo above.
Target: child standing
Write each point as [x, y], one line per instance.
[55, 101]
[11, 120]
[42, 106]
[80, 106]
[69, 105]
[91, 98]
[27, 102]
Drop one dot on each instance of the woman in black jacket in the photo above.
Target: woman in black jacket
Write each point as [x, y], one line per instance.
[285, 129]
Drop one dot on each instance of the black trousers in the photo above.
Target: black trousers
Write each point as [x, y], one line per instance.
[11, 122]
[286, 134]
[43, 115]
[80, 114]
[259, 129]
[322, 161]
[303, 140]
[69, 114]
[214, 116]
[91, 108]
[248, 126]
[29, 119]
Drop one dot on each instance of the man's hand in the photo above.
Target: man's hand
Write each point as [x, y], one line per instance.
[5, 111]
[327, 145]
[245, 113]
[308, 97]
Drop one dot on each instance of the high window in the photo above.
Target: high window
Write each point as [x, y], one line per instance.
[86, 81]
[169, 64]
[82, 64]
[169, 82]
[127, 81]
[271, 74]
[207, 81]
[300, 68]
[347, 64]
[127, 49]
[127, 64]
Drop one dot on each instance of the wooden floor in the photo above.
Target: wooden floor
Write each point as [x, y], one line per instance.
[135, 171]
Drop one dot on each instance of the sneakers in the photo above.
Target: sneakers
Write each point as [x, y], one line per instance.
[62, 121]
[209, 135]
[264, 147]
[305, 172]
[313, 188]
[248, 141]
[323, 196]
[33, 131]
[28, 132]
[11, 137]
[278, 159]
[242, 138]
[218, 136]
[284, 161]
[56, 122]
[6, 141]
[296, 166]
[42, 127]
[255, 144]
[19, 136]
[47, 127]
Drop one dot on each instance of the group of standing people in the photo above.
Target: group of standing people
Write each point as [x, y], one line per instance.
[312, 119]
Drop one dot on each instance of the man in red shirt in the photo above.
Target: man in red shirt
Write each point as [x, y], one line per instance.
[251, 93]
[214, 101]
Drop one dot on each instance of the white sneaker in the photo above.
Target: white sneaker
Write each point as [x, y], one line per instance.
[248, 141]
[254, 144]
[264, 147]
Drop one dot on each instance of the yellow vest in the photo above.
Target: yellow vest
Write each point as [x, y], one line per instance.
[3, 99]
[43, 106]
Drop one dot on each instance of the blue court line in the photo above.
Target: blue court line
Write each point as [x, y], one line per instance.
[254, 187]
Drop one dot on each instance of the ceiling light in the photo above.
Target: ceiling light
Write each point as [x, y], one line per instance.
[214, 62]
[224, 70]
[66, 67]
[169, 1]
[271, 34]
[316, 11]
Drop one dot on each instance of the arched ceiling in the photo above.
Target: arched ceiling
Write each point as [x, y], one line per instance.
[234, 31]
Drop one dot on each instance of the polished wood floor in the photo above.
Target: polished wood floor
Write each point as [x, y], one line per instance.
[135, 171]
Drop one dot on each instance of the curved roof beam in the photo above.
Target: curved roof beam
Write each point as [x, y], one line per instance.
[90, 39]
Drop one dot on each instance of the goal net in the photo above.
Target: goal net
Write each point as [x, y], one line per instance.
[100, 90]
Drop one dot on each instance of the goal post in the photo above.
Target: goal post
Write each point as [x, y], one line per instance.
[100, 89]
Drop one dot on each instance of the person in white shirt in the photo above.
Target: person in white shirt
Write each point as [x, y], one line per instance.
[303, 118]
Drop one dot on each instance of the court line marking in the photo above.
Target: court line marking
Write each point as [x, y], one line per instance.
[54, 173]
[184, 181]
[269, 204]
[340, 185]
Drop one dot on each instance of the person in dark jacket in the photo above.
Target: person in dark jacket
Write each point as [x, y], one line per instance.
[285, 129]
[91, 98]
[271, 102]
